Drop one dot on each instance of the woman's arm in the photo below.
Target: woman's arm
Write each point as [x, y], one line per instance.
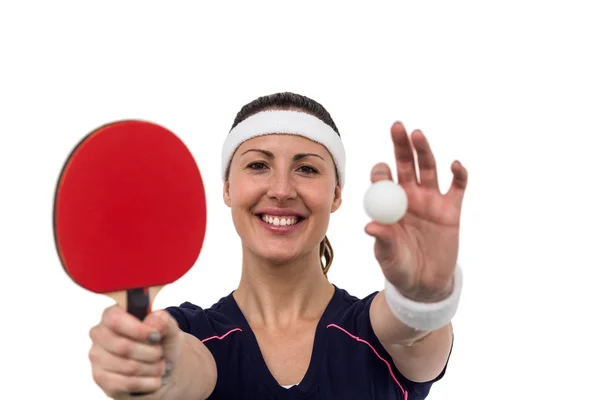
[418, 256]
[419, 355]
[195, 375]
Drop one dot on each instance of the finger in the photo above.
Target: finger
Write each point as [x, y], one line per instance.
[384, 234]
[163, 323]
[403, 150]
[426, 161]
[121, 346]
[115, 384]
[381, 172]
[386, 249]
[459, 183]
[100, 358]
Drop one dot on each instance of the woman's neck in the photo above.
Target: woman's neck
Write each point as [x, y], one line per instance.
[281, 295]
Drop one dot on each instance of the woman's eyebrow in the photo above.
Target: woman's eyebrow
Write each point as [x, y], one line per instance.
[265, 152]
[300, 156]
[297, 157]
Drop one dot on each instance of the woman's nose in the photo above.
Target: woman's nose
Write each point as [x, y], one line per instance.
[282, 187]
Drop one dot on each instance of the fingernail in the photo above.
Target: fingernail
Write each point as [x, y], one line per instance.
[163, 380]
[168, 367]
[154, 338]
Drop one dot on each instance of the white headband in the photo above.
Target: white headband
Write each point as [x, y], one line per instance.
[285, 122]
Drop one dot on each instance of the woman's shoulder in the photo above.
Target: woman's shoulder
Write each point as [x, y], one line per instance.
[206, 323]
[353, 299]
[347, 306]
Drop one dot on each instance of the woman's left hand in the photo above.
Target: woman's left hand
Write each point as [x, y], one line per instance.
[418, 254]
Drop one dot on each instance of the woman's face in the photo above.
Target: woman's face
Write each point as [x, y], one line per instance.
[281, 191]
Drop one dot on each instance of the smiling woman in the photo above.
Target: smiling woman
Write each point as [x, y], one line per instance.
[281, 178]
[306, 121]
[286, 332]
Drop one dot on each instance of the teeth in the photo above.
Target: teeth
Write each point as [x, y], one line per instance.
[279, 220]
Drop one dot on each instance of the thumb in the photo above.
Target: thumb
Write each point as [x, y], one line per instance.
[171, 337]
[164, 324]
[383, 234]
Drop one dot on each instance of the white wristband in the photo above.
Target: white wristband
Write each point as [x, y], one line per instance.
[424, 316]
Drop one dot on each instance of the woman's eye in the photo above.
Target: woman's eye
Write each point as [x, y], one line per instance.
[257, 165]
[307, 170]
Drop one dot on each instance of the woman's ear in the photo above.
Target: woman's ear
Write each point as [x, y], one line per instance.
[226, 196]
[337, 199]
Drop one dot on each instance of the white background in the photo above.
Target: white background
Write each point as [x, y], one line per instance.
[509, 88]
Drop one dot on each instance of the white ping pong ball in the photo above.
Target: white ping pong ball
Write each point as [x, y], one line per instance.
[385, 202]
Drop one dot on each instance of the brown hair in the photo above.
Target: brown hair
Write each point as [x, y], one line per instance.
[289, 100]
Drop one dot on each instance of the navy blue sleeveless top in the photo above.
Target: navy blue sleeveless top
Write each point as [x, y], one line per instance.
[348, 362]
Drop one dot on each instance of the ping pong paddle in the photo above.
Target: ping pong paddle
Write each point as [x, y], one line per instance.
[129, 213]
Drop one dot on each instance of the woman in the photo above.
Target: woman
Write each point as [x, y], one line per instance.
[286, 332]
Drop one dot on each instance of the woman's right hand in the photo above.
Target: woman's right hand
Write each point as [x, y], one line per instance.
[128, 355]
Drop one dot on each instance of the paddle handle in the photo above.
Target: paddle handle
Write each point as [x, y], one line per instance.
[137, 302]
[138, 305]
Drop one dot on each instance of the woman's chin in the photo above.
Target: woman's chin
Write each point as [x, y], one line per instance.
[279, 255]
[279, 258]
[280, 252]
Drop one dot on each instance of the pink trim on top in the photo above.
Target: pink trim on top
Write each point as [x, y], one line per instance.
[221, 337]
[404, 392]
